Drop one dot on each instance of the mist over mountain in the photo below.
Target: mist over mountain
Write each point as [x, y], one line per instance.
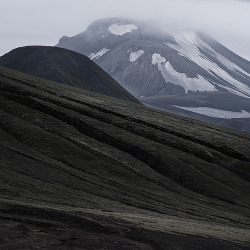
[225, 20]
[153, 64]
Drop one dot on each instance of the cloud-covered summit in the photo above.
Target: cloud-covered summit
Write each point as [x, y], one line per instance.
[43, 21]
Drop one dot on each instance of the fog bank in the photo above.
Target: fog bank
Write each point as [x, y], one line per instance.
[43, 22]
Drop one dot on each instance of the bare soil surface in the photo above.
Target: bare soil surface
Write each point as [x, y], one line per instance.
[80, 170]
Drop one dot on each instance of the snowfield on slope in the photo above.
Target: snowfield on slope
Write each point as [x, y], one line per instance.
[135, 55]
[120, 30]
[181, 79]
[217, 113]
[98, 54]
[188, 44]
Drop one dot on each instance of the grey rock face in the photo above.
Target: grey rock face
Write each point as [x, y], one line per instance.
[192, 61]
[151, 63]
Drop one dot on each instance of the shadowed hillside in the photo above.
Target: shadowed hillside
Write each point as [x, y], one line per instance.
[83, 170]
[64, 66]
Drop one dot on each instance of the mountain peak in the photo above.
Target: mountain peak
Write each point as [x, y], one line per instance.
[191, 62]
[188, 53]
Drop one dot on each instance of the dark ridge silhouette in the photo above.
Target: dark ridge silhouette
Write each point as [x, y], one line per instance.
[64, 66]
[81, 170]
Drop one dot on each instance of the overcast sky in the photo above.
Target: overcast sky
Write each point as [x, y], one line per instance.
[43, 22]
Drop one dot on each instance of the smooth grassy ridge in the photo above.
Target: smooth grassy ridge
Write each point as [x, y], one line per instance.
[83, 170]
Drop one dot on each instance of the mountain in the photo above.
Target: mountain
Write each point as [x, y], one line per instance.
[85, 170]
[159, 67]
[64, 66]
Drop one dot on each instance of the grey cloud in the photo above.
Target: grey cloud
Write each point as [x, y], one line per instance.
[25, 22]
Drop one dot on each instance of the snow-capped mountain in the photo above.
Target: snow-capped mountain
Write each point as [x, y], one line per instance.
[154, 65]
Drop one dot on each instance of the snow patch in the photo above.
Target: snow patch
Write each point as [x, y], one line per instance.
[120, 30]
[217, 113]
[135, 55]
[188, 44]
[98, 54]
[158, 59]
[181, 79]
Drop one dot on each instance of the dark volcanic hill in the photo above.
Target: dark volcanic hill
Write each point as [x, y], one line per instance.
[165, 69]
[64, 66]
[83, 170]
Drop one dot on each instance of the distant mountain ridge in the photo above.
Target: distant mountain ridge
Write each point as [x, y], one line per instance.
[153, 64]
[191, 61]
[64, 66]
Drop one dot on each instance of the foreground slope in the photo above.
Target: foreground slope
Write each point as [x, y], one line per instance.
[64, 66]
[168, 69]
[83, 170]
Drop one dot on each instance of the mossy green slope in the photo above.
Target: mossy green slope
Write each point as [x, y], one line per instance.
[83, 170]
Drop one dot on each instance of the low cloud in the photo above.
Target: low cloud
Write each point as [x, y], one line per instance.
[26, 22]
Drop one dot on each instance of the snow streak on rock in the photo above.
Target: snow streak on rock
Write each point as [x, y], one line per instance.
[188, 45]
[217, 113]
[135, 55]
[120, 30]
[98, 54]
[181, 79]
